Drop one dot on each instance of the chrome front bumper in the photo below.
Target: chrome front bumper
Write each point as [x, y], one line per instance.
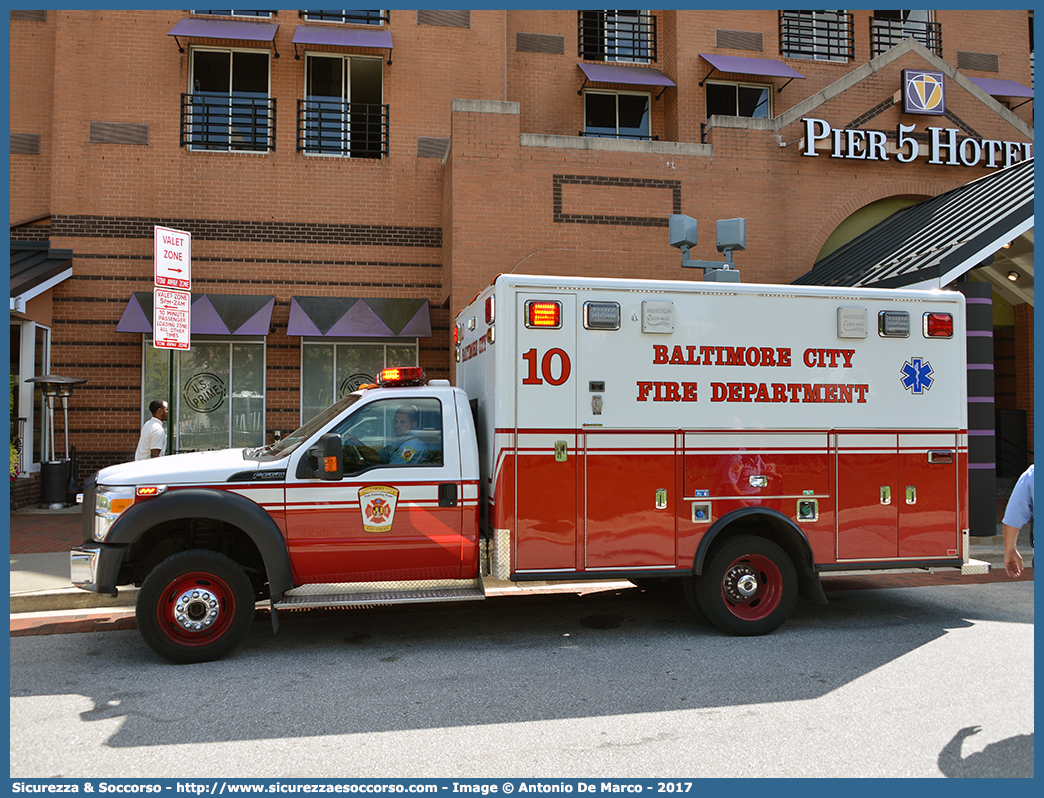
[94, 568]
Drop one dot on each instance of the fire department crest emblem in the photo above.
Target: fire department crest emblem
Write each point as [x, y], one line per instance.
[378, 507]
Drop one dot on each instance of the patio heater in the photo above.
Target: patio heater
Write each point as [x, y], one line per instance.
[54, 473]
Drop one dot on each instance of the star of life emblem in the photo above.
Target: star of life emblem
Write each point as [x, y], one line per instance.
[917, 375]
[377, 503]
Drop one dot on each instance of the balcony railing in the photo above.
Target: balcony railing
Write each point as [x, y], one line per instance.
[221, 122]
[347, 17]
[628, 136]
[355, 130]
[820, 35]
[887, 33]
[616, 36]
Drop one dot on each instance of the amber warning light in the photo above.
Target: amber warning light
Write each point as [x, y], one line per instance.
[543, 314]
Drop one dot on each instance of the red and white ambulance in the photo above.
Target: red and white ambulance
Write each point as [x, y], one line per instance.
[741, 439]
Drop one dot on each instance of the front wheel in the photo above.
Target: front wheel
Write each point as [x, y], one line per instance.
[195, 606]
[749, 587]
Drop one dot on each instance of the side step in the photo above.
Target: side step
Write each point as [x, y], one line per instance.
[368, 594]
[975, 567]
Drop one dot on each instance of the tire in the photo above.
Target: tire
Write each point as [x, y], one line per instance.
[215, 610]
[749, 586]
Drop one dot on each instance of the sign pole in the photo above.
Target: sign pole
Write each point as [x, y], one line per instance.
[171, 305]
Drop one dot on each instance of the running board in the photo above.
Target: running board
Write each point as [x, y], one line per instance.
[369, 594]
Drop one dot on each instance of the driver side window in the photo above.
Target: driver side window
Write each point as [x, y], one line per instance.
[392, 433]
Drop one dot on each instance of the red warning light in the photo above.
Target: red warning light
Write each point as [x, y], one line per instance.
[547, 315]
[938, 325]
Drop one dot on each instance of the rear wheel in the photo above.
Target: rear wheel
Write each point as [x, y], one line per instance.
[195, 606]
[749, 586]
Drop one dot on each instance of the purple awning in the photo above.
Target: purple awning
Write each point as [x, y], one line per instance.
[751, 66]
[335, 37]
[211, 314]
[225, 29]
[631, 75]
[1002, 88]
[367, 317]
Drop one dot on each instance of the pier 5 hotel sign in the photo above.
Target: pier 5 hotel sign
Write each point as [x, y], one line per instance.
[923, 92]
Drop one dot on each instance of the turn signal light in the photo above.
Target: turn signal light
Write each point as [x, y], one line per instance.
[938, 325]
[546, 315]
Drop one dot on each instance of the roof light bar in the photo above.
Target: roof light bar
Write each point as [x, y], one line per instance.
[399, 376]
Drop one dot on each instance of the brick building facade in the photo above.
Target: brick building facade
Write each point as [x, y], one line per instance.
[350, 182]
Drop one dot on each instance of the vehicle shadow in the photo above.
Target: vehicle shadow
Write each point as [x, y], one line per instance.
[510, 659]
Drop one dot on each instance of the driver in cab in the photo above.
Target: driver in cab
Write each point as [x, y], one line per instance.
[406, 449]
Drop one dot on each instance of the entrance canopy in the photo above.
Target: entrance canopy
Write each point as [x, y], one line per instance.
[212, 314]
[987, 223]
[36, 268]
[364, 317]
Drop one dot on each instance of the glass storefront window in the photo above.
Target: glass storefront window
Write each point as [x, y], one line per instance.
[332, 370]
[220, 396]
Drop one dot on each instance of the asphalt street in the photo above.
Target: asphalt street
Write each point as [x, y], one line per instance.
[914, 682]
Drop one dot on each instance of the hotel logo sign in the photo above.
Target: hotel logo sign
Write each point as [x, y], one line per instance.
[923, 92]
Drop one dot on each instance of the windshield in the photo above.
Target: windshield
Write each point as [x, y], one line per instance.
[289, 443]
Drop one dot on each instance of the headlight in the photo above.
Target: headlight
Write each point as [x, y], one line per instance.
[109, 504]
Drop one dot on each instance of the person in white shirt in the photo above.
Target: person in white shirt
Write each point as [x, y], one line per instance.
[153, 440]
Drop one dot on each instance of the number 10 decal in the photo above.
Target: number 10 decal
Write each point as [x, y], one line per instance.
[547, 367]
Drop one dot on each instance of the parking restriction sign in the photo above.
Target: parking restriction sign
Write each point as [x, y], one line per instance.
[170, 316]
[173, 257]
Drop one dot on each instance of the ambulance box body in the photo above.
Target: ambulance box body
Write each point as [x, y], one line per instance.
[620, 421]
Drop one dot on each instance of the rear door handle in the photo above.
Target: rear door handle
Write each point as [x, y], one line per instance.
[940, 457]
[448, 494]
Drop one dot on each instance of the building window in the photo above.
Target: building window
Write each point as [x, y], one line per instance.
[889, 28]
[235, 13]
[347, 17]
[751, 100]
[219, 401]
[332, 370]
[616, 115]
[819, 35]
[617, 36]
[229, 107]
[342, 113]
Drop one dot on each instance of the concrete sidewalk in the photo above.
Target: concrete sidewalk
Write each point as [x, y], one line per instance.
[41, 539]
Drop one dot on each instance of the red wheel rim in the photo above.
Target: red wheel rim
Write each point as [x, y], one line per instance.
[752, 587]
[197, 608]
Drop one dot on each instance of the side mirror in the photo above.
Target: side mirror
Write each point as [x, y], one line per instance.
[327, 457]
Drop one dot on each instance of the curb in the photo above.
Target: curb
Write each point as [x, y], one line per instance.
[71, 598]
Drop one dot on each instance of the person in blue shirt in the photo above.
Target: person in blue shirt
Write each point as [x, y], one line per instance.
[406, 449]
[1017, 514]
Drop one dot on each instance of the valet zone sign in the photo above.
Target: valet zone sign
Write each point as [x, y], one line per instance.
[171, 300]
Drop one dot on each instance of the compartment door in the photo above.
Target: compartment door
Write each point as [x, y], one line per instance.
[868, 496]
[928, 515]
[546, 438]
[631, 503]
